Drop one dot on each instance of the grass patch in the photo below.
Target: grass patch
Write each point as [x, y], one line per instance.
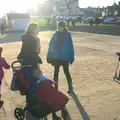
[46, 34]
[2, 36]
[43, 23]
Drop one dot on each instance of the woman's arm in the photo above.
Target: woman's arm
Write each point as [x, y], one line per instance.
[51, 48]
[71, 48]
[5, 64]
[38, 46]
[19, 57]
[52, 43]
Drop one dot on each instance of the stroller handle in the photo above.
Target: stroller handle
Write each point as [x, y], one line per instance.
[22, 66]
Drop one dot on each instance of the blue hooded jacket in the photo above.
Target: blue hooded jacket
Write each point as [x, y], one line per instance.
[65, 52]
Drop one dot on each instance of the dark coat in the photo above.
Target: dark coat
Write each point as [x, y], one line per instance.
[3, 64]
[28, 52]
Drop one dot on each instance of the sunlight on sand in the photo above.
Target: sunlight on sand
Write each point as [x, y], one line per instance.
[45, 35]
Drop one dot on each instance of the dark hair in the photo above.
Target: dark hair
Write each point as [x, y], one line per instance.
[62, 24]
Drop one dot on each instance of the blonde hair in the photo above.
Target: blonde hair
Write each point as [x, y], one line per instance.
[31, 27]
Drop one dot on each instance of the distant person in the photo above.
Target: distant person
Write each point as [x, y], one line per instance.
[97, 21]
[5, 65]
[2, 29]
[73, 22]
[91, 21]
[48, 21]
[54, 22]
[68, 22]
[61, 53]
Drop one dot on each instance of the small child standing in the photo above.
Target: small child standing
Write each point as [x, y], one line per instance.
[5, 65]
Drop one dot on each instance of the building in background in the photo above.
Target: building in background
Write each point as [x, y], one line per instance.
[16, 21]
[113, 10]
[93, 11]
[68, 8]
[58, 8]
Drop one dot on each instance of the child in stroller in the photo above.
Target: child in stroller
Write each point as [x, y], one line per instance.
[42, 98]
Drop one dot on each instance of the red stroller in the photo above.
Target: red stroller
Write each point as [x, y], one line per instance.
[41, 101]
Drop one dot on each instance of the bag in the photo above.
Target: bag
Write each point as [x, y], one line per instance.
[13, 85]
[50, 95]
[22, 83]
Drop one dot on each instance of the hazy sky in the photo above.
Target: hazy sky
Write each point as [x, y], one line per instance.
[22, 5]
[86, 3]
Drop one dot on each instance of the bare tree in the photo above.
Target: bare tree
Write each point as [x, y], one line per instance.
[66, 3]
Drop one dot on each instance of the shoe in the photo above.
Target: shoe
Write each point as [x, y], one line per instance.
[56, 85]
[1, 104]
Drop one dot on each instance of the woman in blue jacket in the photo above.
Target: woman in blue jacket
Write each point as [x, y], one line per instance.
[61, 53]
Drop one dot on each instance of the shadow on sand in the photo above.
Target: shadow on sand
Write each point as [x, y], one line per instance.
[79, 106]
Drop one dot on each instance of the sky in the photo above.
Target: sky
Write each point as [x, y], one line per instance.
[23, 5]
[95, 3]
[17, 5]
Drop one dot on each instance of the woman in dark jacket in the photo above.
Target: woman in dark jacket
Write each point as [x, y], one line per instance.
[30, 50]
[61, 53]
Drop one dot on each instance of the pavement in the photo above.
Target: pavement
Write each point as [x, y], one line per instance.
[92, 73]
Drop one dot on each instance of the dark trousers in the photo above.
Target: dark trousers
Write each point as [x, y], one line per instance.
[67, 74]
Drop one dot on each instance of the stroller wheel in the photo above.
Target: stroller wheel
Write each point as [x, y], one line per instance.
[19, 113]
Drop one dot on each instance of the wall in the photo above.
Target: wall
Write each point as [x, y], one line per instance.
[20, 24]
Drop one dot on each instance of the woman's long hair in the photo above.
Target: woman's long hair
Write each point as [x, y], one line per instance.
[31, 27]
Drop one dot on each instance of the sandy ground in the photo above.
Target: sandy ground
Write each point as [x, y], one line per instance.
[92, 74]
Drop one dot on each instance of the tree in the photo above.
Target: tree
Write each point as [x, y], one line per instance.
[66, 3]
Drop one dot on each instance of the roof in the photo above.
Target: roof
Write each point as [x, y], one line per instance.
[90, 13]
[17, 15]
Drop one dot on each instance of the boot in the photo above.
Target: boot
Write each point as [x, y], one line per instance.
[1, 102]
[56, 84]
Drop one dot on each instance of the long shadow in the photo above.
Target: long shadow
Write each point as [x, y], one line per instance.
[11, 37]
[79, 106]
[15, 36]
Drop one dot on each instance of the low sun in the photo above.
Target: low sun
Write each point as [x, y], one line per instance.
[18, 5]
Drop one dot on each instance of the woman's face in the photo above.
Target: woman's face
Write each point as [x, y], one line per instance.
[36, 31]
[60, 29]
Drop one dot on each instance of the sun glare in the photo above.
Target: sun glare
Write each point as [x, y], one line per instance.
[18, 5]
